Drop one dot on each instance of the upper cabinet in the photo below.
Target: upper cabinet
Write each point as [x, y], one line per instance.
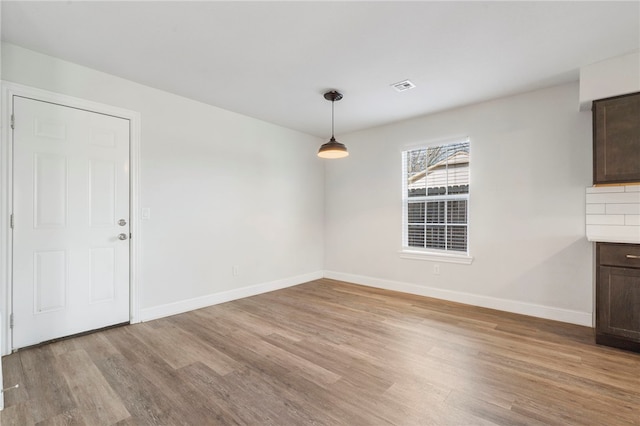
[616, 139]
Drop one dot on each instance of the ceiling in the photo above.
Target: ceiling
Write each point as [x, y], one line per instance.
[274, 60]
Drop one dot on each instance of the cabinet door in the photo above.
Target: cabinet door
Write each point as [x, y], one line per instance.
[616, 139]
[618, 304]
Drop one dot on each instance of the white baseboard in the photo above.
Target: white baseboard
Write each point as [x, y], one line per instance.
[540, 311]
[148, 314]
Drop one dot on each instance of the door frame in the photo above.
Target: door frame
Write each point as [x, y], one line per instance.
[9, 90]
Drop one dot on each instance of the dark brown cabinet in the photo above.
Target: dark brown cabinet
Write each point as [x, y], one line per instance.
[618, 295]
[616, 139]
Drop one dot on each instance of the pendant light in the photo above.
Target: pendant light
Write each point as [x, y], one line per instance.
[333, 148]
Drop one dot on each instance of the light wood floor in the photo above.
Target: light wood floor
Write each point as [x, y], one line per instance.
[328, 353]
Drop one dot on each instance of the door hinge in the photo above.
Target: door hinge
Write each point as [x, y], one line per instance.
[11, 221]
[11, 321]
[13, 121]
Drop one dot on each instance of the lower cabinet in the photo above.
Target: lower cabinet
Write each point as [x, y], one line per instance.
[618, 295]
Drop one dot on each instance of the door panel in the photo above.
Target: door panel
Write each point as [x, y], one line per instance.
[71, 187]
[103, 277]
[50, 280]
[102, 179]
[50, 191]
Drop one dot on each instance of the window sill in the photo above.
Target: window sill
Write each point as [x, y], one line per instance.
[436, 256]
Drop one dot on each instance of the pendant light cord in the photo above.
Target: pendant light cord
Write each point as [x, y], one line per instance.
[332, 103]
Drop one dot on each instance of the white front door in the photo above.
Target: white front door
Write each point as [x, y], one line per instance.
[70, 221]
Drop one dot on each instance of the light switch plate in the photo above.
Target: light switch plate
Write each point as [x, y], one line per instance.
[146, 213]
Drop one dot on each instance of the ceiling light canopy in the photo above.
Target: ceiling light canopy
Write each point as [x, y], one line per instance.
[333, 148]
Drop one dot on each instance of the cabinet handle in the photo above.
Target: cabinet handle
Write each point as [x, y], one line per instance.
[633, 256]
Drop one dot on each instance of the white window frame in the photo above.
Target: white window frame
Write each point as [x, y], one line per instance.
[431, 254]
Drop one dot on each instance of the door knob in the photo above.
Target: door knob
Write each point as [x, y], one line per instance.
[122, 236]
[122, 222]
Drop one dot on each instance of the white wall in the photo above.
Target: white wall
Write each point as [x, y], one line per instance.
[530, 162]
[223, 189]
[612, 77]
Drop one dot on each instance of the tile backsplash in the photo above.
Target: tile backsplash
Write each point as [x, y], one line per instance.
[613, 213]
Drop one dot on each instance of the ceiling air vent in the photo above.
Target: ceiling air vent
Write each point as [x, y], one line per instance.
[403, 85]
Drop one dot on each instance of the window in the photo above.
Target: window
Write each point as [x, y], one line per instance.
[436, 196]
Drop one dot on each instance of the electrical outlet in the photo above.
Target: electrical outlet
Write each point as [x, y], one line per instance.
[436, 269]
[235, 269]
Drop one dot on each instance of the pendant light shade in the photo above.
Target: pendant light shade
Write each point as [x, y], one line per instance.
[333, 148]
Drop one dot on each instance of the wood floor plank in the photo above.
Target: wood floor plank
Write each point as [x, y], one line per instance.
[43, 380]
[141, 398]
[328, 353]
[97, 346]
[486, 410]
[187, 398]
[97, 402]
[13, 375]
[308, 391]
[68, 418]
[228, 398]
[17, 414]
[190, 350]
